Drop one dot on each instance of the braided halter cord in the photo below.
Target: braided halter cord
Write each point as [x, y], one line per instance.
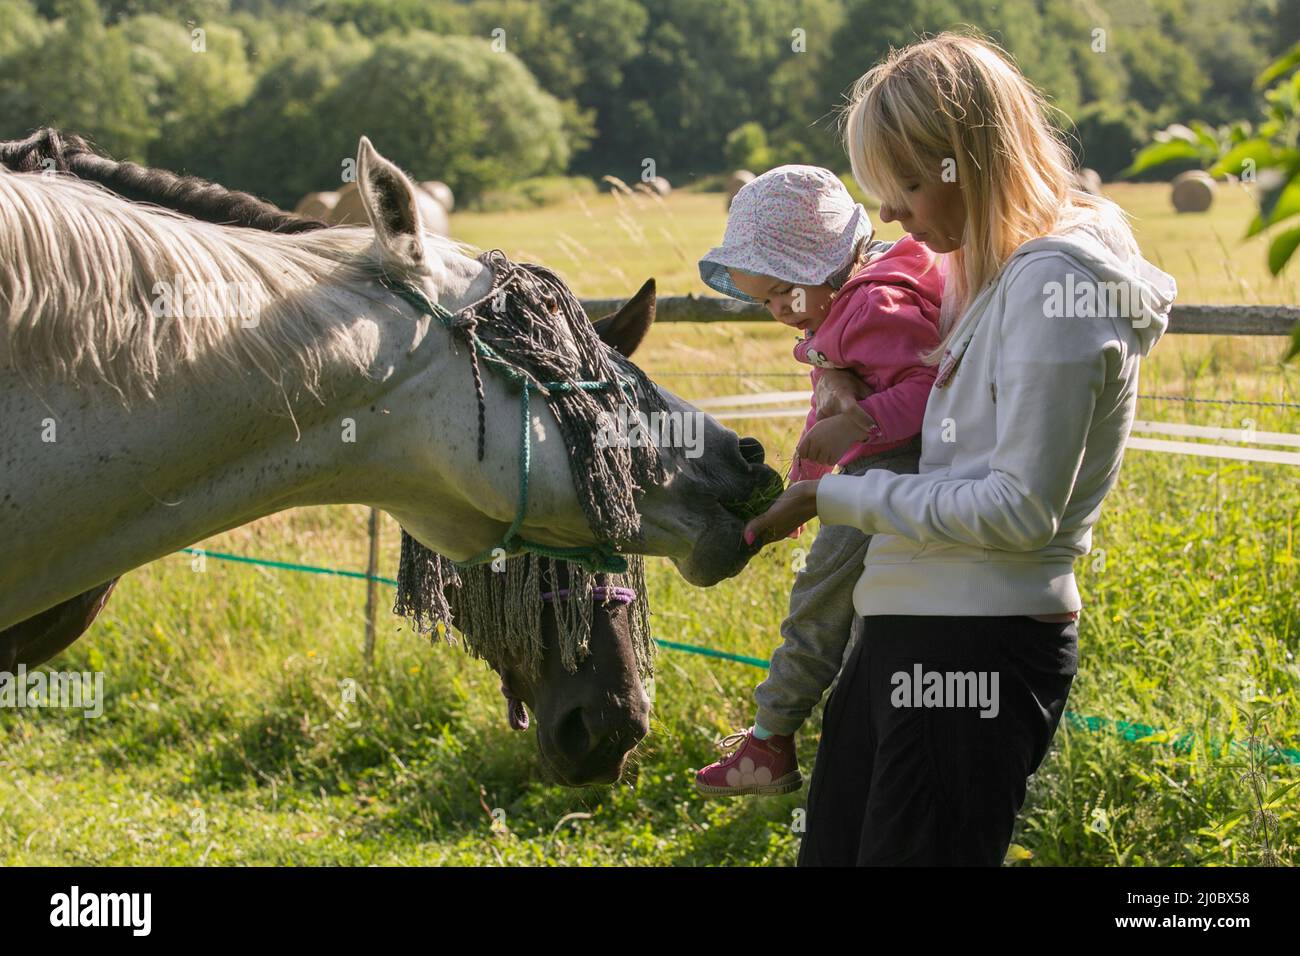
[601, 594]
[531, 330]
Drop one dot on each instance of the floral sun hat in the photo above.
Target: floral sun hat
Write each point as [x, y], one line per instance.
[795, 223]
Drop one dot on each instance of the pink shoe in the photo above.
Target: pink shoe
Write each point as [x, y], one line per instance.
[763, 767]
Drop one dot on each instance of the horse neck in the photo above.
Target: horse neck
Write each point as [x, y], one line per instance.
[99, 487]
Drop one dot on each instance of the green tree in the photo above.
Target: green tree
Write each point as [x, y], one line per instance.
[189, 80]
[375, 17]
[450, 108]
[1268, 155]
[1163, 76]
[1110, 134]
[605, 37]
[802, 124]
[78, 77]
[747, 148]
[177, 11]
[23, 28]
[545, 44]
[703, 69]
[282, 143]
[1050, 42]
[441, 107]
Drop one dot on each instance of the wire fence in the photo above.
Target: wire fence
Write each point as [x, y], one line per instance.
[1132, 731]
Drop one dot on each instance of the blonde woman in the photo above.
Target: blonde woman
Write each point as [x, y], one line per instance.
[969, 637]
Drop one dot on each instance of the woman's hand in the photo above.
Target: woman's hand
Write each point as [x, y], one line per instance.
[797, 504]
[837, 391]
[828, 440]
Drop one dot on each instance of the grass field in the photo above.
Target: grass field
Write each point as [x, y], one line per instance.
[225, 739]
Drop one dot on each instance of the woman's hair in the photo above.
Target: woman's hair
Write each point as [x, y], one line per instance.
[956, 102]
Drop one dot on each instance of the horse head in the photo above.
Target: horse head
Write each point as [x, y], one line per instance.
[591, 719]
[689, 516]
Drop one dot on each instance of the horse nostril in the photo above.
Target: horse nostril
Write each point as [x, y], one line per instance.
[571, 736]
[583, 734]
[751, 449]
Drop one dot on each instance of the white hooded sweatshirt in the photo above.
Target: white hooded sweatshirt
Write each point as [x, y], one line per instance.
[1022, 444]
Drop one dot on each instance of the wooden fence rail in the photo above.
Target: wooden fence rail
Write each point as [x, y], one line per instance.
[1184, 319]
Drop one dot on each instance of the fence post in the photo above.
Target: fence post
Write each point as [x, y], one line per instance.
[372, 586]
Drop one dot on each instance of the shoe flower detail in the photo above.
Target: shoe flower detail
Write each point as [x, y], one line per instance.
[745, 774]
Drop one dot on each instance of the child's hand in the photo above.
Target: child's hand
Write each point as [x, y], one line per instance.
[828, 440]
[837, 391]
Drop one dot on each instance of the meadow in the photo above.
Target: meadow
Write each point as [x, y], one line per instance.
[227, 737]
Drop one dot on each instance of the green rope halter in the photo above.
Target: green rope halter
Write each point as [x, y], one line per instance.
[598, 558]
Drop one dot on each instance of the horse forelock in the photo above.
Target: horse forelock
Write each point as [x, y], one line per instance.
[98, 289]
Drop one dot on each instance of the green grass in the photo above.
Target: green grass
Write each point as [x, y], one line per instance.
[226, 738]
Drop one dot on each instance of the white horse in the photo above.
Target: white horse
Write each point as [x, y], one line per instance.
[164, 379]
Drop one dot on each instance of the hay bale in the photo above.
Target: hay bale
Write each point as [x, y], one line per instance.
[1192, 191]
[737, 181]
[433, 214]
[351, 211]
[1087, 180]
[441, 192]
[317, 205]
[655, 187]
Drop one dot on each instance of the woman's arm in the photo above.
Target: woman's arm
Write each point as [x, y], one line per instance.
[1050, 373]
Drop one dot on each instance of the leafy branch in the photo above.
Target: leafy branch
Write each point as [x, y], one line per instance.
[1268, 156]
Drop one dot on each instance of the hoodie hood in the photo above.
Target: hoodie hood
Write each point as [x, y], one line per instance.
[906, 262]
[1103, 242]
[906, 265]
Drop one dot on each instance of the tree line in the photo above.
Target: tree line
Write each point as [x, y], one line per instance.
[271, 95]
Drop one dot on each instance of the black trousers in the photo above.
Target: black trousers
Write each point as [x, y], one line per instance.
[909, 772]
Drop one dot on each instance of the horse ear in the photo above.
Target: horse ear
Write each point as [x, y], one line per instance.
[390, 203]
[623, 330]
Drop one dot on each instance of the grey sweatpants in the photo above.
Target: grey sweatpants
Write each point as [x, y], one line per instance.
[822, 627]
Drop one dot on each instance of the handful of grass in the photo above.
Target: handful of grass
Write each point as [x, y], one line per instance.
[759, 500]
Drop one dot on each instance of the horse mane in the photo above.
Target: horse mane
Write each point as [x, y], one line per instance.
[97, 290]
[54, 149]
[147, 226]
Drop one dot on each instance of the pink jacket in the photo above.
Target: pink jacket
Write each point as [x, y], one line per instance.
[880, 323]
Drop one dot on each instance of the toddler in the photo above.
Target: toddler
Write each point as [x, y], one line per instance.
[797, 243]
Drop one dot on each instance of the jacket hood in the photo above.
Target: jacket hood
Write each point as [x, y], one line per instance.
[906, 262]
[1102, 241]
